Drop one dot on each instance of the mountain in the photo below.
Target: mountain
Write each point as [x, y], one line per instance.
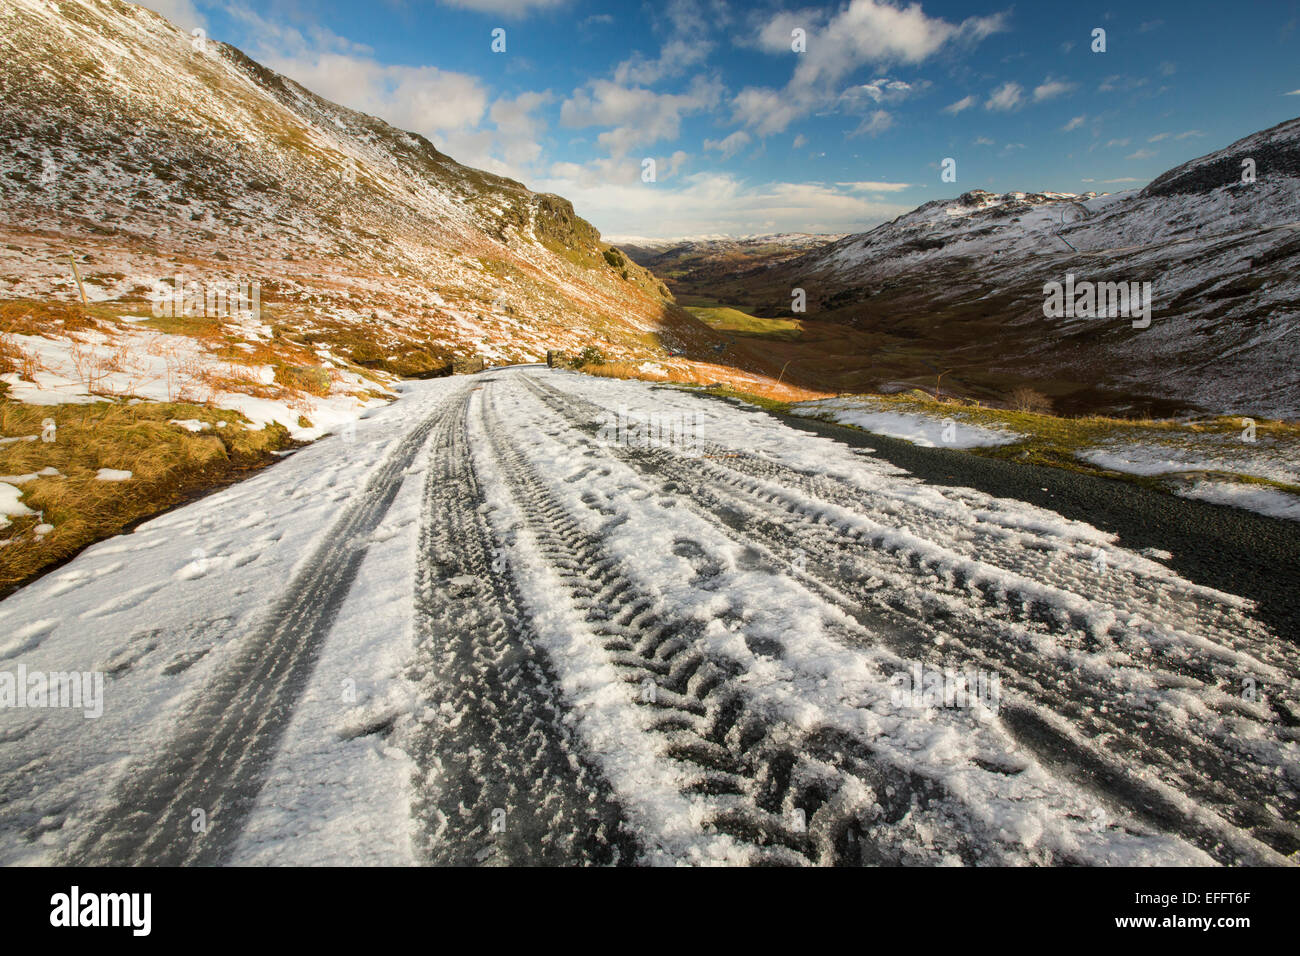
[959, 285]
[143, 154]
[147, 153]
[693, 266]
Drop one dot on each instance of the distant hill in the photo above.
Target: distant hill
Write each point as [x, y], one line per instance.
[693, 267]
[959, 284]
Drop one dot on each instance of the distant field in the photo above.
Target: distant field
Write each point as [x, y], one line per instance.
[742, 323]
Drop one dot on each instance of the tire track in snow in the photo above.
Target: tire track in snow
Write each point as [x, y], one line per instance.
[1056, 707]
[225, 739]
[502, 777]
[825, 795]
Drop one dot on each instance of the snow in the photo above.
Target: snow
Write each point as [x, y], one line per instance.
[1139, 460]
[112, 474]
[1219, 255]
[813, 680]
[920, 429]
[186, 586]
[1266, 501]
[46, 472]
[331, 182]
[10, 506]
[164, 608]
[1263, 458]
[143, 364]
[345, 797]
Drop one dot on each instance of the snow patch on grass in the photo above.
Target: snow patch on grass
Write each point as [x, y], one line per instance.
[10, 506]
[1266, 501]
[919, 429]
[1263, 459]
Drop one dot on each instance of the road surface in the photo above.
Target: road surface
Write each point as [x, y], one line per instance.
[529, 616]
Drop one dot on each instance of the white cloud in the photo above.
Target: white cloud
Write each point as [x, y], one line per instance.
[865, 32]
[639, 117]
[881, 90]
[675, 162]
[420, 98]
[874, 125]
[713, 203]
[687, 46]
[1120, 84]
[1074, 123]
[872, 187]
[1141, 154]
[965, 103]
[1008, 96]
[449, 108]
[869, 32]
[768, 111]
[800, 141]
[1050, 88]
[507, 8]
[616, 171]
[1190, 133]
[1292, 93]
[518, 131]
[180, 12]
[674, 58]
[982, 141]
[729, 145]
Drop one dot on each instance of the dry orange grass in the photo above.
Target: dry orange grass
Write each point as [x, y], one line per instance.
[31, 317]
[209, 331]
[238, 379]
[167, 462]
[312, 379]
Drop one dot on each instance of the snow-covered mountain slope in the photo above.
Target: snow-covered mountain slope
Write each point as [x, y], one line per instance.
[960, 283]
[976, 223]
[151, 153]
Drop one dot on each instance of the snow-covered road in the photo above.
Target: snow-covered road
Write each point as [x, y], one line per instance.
[534, 617]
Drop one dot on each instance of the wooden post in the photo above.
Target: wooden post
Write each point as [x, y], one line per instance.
[76, 274]
[938, 394]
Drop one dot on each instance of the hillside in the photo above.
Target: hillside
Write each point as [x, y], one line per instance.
[693, 267]
[145, 157]
[202, 262]
[958, 285]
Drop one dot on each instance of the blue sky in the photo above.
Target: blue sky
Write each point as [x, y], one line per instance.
[749, 136]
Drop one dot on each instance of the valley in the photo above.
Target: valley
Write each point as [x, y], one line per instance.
[394, 514]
